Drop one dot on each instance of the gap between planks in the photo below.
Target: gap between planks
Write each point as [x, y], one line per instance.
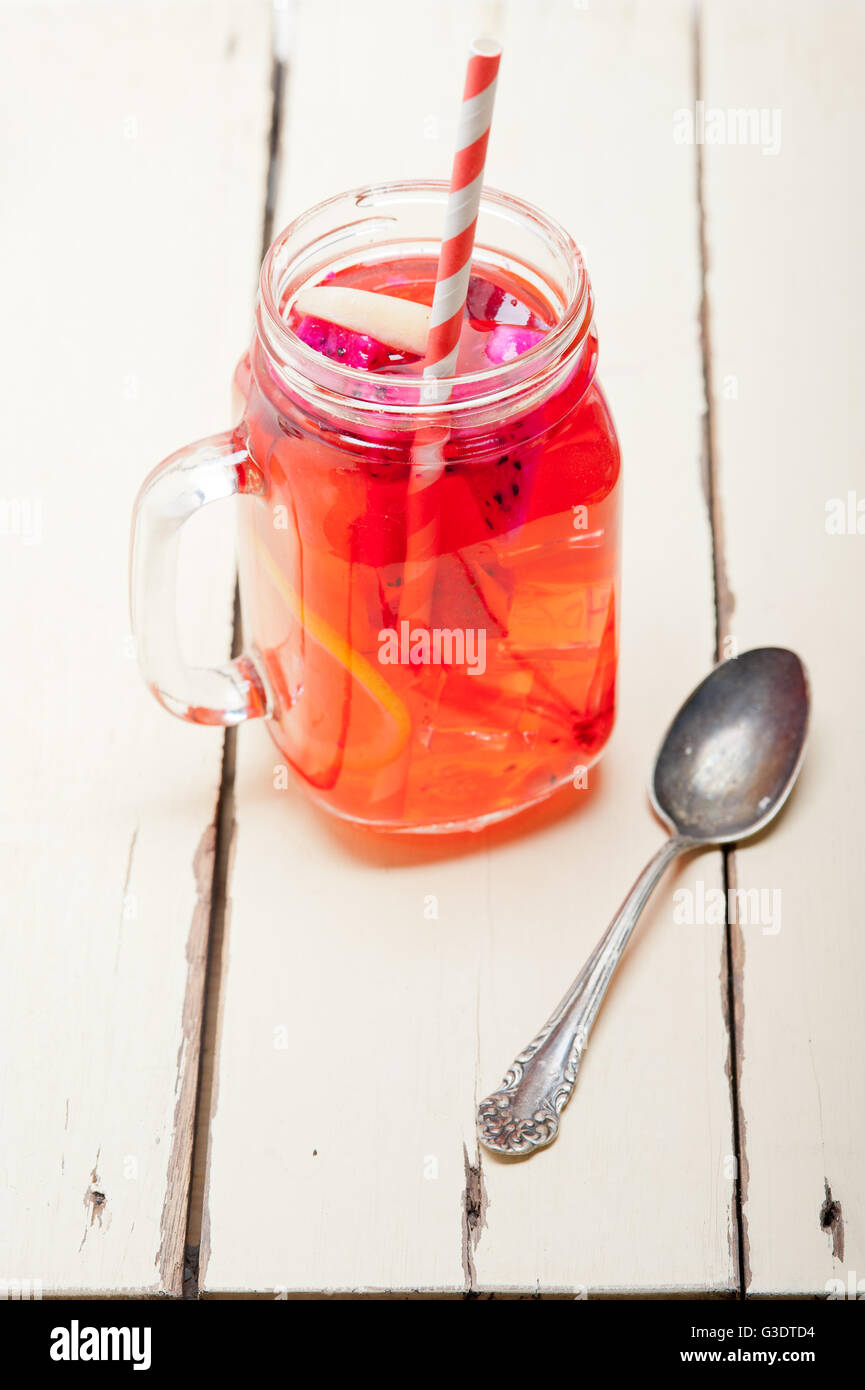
[196, 1217]
[733, 961]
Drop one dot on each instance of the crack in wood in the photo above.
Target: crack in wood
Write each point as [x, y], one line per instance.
[278, 85]
[94, 1203]
[724, 598]
[128, 873]
[198, 1216]
[733, 957]
[170, 1255]
[733, 1008]
[196, 1250]
[474, 1218]
[124, 895]
[832, 1221]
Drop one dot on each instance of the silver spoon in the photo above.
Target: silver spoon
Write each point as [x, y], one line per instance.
[726, 767]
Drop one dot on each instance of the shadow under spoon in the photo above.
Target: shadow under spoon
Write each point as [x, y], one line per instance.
[725, 768]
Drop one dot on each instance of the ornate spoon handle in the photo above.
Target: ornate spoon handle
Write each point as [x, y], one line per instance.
[523, 1114]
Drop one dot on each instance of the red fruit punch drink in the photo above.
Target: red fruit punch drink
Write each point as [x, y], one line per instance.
[498, 686]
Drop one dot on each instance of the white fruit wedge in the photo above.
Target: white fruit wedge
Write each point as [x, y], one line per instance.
[398, 323]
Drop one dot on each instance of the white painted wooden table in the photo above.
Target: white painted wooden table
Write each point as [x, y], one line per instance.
[714, 1145]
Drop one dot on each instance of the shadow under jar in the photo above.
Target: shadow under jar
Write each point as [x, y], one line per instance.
[429, 572]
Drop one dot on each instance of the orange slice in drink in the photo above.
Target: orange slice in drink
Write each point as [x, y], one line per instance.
[384, 746]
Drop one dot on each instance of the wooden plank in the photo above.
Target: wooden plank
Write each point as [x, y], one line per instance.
[634, 1195]
[356, 1035]
[134, 172]
[786, 302]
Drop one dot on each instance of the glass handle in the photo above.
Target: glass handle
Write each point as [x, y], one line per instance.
[181, 485]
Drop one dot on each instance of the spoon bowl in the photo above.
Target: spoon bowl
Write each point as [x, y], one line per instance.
[731, 755]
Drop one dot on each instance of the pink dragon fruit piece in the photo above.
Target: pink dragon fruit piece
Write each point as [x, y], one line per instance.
[507, 342]
[352, 349]
[487, 302]
[484, 300]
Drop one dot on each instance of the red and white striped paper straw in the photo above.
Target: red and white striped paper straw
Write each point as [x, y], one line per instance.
[452, 282]
[461, 216]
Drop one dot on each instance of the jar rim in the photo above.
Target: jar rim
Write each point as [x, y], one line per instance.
[301, 366]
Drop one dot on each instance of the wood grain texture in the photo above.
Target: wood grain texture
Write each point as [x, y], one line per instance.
[357, 1033]
[787, 301]
[133, 177]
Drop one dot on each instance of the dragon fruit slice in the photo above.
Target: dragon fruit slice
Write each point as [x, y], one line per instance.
[341, 344]
[507, 342]
[487, 302]
[485, 501]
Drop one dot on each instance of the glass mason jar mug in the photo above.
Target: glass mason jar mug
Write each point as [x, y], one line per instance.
[428, 572]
